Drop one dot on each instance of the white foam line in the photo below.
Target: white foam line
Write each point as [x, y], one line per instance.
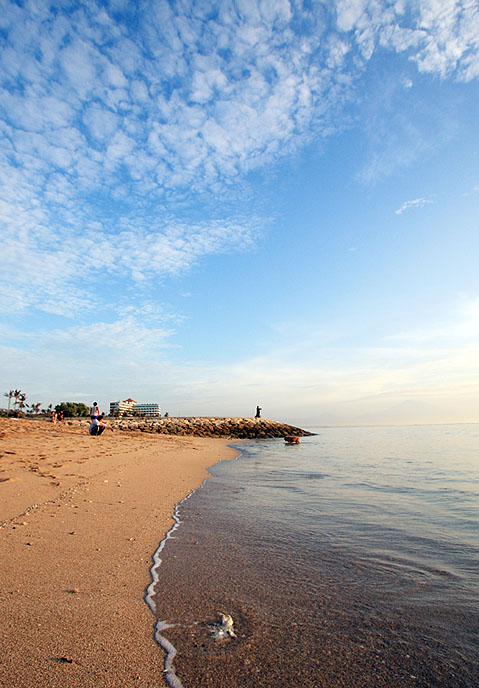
[169, 649]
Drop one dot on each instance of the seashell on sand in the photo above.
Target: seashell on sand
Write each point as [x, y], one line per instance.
[224, 629]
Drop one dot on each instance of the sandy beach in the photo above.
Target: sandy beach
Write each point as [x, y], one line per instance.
[80, 519]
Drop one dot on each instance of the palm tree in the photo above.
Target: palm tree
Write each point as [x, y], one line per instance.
[9, 396]
[17, 393]
[21, 401]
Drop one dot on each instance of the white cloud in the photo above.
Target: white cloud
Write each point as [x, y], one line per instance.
[441, 37]
[101, 123]
[427, 375]
[51, 264]
[78, 62]
[269, 71]
[416, 203]
[418, 376]
[474, 190]
[126, 334]
[105, 120]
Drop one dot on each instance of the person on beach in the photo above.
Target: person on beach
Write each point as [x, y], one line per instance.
[94, 411]
[258, 412]
[53, 416]
[97, 426]
[60, 416]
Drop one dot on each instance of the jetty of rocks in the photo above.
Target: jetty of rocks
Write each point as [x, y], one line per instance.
[234, 428]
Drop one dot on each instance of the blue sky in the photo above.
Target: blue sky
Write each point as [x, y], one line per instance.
[215, 205]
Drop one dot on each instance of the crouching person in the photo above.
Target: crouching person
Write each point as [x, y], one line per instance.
[97, 426]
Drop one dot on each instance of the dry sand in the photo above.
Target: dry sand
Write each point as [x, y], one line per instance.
[80, 519]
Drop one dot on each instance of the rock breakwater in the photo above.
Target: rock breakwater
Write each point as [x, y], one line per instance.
[234, 428]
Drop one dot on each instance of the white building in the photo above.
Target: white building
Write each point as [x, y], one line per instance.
[122, 408]
[149, 410]
[129, 406]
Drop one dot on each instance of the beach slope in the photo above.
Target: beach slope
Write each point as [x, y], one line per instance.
[80, 520]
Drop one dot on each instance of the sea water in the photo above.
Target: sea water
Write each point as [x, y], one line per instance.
[351, 559]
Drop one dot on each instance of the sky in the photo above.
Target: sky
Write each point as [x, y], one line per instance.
[218, 205]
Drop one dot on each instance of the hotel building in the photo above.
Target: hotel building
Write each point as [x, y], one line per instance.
[128, 406]
[149, 410]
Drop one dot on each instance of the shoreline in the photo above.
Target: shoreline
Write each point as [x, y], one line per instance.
[81, 519]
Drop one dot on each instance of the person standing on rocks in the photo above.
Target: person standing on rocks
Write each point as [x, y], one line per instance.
[94, 411]
[258, 412]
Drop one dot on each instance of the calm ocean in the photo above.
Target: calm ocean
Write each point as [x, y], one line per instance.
[351, 559]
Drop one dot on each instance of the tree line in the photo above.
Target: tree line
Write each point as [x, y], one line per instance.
[18, 406]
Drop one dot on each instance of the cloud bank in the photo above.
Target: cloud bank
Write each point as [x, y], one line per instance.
[112, 115]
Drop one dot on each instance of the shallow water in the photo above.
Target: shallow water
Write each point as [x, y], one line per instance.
[348, 560]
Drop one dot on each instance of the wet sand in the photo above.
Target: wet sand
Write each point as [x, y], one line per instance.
[295, 628]
[80, 519]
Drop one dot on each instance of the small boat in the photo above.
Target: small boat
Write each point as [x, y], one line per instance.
[292, 439]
